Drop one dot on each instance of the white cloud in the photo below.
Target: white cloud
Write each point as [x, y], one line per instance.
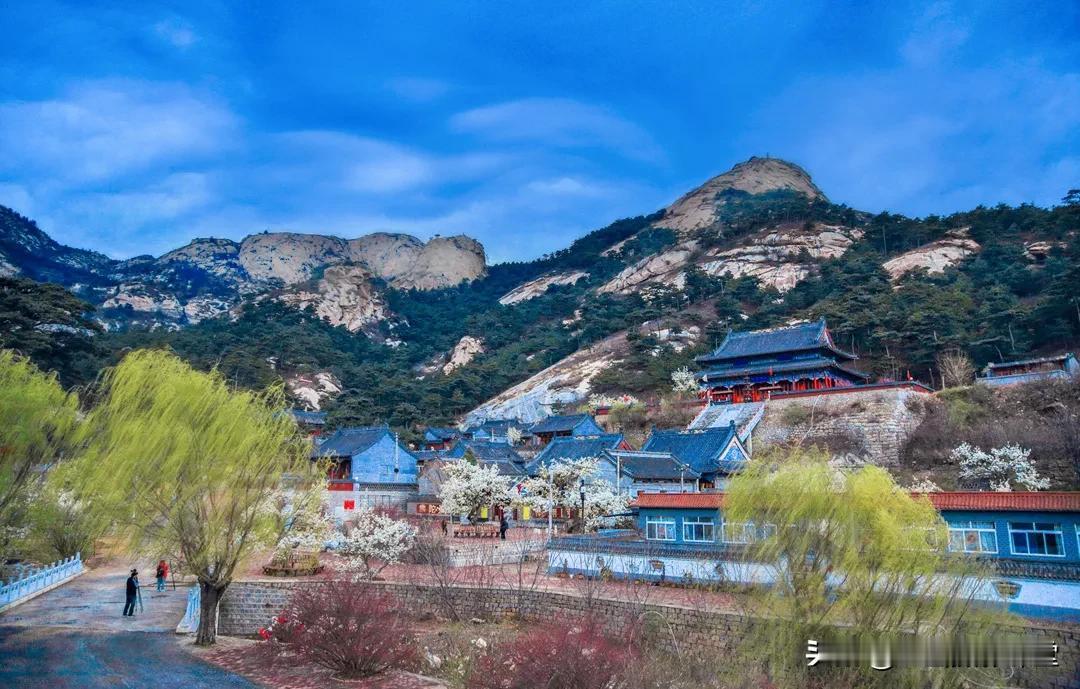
[560, 122]
[99, 130]
[18, 198]
[177, 32]
[568, 186]
[937, 34]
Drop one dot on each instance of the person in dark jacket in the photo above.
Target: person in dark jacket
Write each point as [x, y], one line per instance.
[132, 593]
[503, 526]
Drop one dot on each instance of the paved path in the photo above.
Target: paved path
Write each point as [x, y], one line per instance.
[75, 636]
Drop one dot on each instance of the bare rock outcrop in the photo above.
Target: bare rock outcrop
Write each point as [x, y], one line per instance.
[466, 349]
[658, 268]
[535, 288]
[443, 262]
[934, 257]
[313, 389]
[781, 258]
[343, 296]
[697, 209]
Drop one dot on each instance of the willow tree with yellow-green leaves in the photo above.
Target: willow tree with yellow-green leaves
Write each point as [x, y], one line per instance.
[36, 422]
[189, 467]
[850, 552]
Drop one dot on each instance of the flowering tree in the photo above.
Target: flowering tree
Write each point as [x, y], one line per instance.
[303, 522]
[1002, 467]
[513, 434]
[375, 541]
[683, 380]
[470, 486]
[561, 488]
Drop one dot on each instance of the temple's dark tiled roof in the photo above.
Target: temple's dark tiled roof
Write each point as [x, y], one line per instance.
[347, 442]
[702, 450]
[560, 423]
[808, 336]
[644, 466]
[812, 363]
[576, 447]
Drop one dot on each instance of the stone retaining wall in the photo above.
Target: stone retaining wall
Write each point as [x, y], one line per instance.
[248, 606]
[857, 427]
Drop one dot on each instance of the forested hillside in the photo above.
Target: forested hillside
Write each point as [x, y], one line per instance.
[887, 294]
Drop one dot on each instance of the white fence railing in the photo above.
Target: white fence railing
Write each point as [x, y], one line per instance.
[29, 584]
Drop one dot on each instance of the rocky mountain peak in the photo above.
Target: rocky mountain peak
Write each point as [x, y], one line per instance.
[697, 208]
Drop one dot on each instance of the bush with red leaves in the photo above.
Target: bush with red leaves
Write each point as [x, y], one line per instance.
[562, 655]
[351, 628]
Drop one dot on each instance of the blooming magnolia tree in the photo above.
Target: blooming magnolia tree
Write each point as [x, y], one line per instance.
[304, 525]
[375, 541]
[561, 488]
[683, 380]
[1003, 467]
[469, 487]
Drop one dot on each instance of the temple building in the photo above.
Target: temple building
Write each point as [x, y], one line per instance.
[752, 366]
[1059, 367]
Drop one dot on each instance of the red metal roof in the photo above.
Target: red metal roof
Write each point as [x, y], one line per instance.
[707, 501]
[990, 500]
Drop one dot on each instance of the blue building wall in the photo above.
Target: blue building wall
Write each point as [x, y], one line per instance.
[1069, 523]
[679, 516]
[376, 464]
[1067, 520]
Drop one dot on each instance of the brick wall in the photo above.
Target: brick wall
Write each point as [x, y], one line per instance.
[249, 605]
[856, 427]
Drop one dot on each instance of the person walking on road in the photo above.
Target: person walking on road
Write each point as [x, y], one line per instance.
[132, 593]
[162, 574]
[503, 526]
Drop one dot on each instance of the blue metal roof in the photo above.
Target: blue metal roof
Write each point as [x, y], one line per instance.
[347, 442]
[793, 338]
[567, 449]
[643, 466]
[560, 423]
[440, 433]
[703, 450]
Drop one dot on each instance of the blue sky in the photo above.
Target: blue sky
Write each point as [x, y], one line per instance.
[134, 128]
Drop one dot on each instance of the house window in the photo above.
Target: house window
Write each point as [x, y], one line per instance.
[659, 529]
[745, 532]
[973, 537]
[697, 530]
[1036, 538]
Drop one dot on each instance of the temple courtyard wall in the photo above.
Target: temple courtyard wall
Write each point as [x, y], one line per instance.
[249, 605]
[865, 426]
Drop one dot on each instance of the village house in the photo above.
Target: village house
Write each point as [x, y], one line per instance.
[1031, 540]
[635, 471]
[564, 426]
[369, 468]
[310, 422]
[496, 431]
[1060, 367]
[489, 453]
[571, 448]
[752, 366]
[714, 453]
[440, 438]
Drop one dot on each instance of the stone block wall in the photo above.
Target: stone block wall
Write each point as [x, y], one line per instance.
[857, 427]
[248, 606]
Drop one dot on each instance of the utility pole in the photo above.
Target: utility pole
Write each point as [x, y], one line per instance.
[551, 499]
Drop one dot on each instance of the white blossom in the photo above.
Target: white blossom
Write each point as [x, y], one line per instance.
[683, 380]
[374, 541]
[469, 487]
[562, 489]
[1002, 467]
[925, 485]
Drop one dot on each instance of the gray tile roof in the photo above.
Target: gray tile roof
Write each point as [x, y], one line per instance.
[574, 447]
[702, 449]
[807, 336]
[560, 423]
[346, 442]
[644, 466]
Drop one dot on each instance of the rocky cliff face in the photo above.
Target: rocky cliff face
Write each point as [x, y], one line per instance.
[934, 257]
[209, 276]
[697, 209]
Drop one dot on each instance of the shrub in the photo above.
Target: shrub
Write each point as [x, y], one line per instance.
[348, 627]
[795, 415]
[566, 655]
